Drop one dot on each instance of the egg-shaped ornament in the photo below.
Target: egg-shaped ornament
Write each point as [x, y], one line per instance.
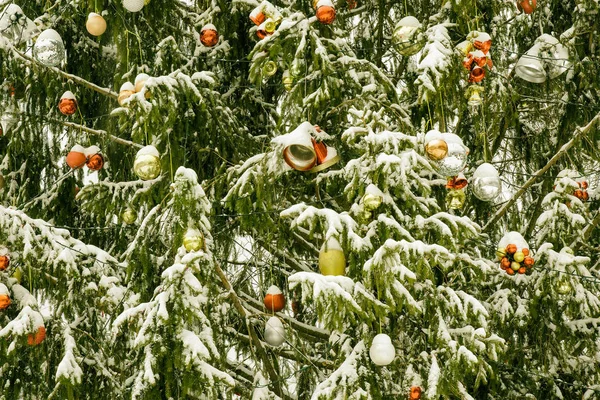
[486, 184]
[95, 162]
[456, 159]
[127, 90]
[95, 24]
[288, 80]
[140, 83]
[372, 198]
[4, 297]
[76, 157]
[67, 104]
[193, 240]
[209, 37]
[407, 36]
[274, 332]
[274, 299]
[128, 216]
[49, 48]
[563, 286]
[332, 260]
[133, 5]
[147, 163]
[325, 11]
[382, 351]
[415, 393]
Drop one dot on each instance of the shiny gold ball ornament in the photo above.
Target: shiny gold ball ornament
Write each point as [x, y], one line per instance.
[287, 80]
[129, 216]
[331, 258]
[269, 68]
[407, 36]
[147, 163]
[436, 149]
[67, 104]
[95, 24]
[193, 240]
[127, 90]
[563, 286]
[372, 198]
[455, 199]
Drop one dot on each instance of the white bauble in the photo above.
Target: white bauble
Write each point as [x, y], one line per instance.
[274, 332]
[133, 5]
[382, 350]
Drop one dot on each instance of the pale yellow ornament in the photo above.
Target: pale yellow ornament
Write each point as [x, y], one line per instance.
[147, 163]
[95, 25]
[193, 240]
[331, 258]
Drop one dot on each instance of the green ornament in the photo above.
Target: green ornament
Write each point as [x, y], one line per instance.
[129, 216]
[288, 81]
[193, 240]
[371, 201]
[500, 253]
[269, 69]
[515, 266]
[563, 286]
[455, 199]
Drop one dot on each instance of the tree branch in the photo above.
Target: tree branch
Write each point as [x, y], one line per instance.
[105, 91]
[563, 150]
[586, 233]
[98, 132]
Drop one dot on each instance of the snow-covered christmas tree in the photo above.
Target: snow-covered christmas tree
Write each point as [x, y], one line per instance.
[299, 199]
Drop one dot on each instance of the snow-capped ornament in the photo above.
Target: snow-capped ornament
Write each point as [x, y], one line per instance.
[456, 158]
[303, 153]
[127, 90]
[513, 252]
[288, 80]
[457, 182]
[4, 297]
[133, 5]
[473, 94]
[372, 198]
[548, 58]
[140, 82]
[274, 299]
[274, 332]
[486, 184]
[325, 11]
[261, 31]
[382, 351]
[436, 148]
[4, 259]
[49, 48]
[407, 37]
[415, 393]
[33, 339]
[129, 216]
[76, 158]
[94, 159]
[147, 163]
[257, 15]
[331, 258]
[582, 193]
[527, 6]
[15, 26]
[269, 69]
[67, 104]
[209, 37]
[193, 240]
[481, 41]
[455, 199]
[95, 24]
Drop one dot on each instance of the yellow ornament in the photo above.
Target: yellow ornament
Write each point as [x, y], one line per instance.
[128, 216]
[515, 266]
[288, 81]
[95, 25]
[500, 253]
[193, 240]
[563, 286]
[147, 163]
[270, 25]
[519, 256]
[270, 68]
[436, 149]
[331, 258]
[18, 275]
[126, 91]
[371, 201]
[455, 199]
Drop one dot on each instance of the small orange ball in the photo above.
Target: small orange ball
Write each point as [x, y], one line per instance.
[4, 301]
[75, 159]
[522, 270]
[67, 106]
[525, 252]
[504, 263]
[37, 338]
[477, 74]
[4, 262]
[415, 393]
[274, 300]
[527, 6]
[326, 14]
[510, 271]
[95, 162]
[528, 261]
[209, 36]
[511, 248]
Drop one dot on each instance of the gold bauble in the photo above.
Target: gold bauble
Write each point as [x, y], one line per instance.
[563, 286]
[500, 253]
[331, 259]
[124, 95]
[95, 25]
[288, 82]
[455, 199]
[371, 201]
[146, 166]
[18, 275]
[270, 68]
[270, 25]
[193, 240]
[129, 216]
[436, 149]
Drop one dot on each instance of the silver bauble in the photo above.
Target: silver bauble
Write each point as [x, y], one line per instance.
[49, 48]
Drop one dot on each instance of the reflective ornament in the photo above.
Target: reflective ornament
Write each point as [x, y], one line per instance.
[456, 158]
[4, 259]
[18, 275]
[372, 198]
[287, 80]
[474, 95]
[465, 47]
[382, 351]
[4, 297]
[127, 90]
[15, 26]
[407, 36]
[299, 152]
[548, 58]
[257, 15]
[516, 259]
[270, 25]
[455, 199]
[140, 83]
[415, 393]
[274, 332]
[486, 184]
[49, 48]
[436, 149]
[147, 163]
[129, 216]
[76, 157]
[193, 240]
[477, 74]
[95, 24]
[325, 11]
[527, 6]
[67, 104]
[209, 36]
[274, 300]
[95, 162]
[331, 258]
[326, 156]
[133, 5]
[33, 339]
[269, 69]
[261, 31]
[563, 286]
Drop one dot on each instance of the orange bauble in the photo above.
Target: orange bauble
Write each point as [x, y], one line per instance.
[528, 261]
[209, 36]
[527, 6]
[525, 252]
[477, 74]
[37, 338]
[76, 157]
[325, 12]
[4, 262]
[274, 300]
[484, 46]
[95, 162]
[505, 263]
[4, 301]
[510, 271]
[511, 248]
[257, 17]
[522, 270]
[67, 104]
[415, 393]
